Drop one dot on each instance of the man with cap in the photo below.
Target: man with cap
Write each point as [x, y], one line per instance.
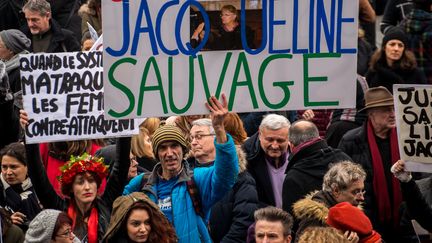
[46, 34]
[12, 43]
[185, 196]
[374, 145]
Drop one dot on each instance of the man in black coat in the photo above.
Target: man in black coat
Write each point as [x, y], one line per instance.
[374, 146]
[308, 162]
[267, 156]
[45, 33]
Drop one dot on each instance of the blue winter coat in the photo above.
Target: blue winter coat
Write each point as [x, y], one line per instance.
[212, 182]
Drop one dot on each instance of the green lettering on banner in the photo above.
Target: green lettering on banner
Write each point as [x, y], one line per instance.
[242, 62]
[308, 79]
[284, 85]
[170, 86]
[221, 77]
[151, 62]
[121, 87]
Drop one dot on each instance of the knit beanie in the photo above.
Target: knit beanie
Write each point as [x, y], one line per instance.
[42, 226]
[15, 40]
[395, 34]
[168, 133]
[346, 217]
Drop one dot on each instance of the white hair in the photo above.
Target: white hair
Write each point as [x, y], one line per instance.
[204, 122]
[274, 122]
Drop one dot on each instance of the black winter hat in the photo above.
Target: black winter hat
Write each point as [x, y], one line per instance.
[395, 34]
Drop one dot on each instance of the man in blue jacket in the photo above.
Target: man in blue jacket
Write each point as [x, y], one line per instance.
[174, 187]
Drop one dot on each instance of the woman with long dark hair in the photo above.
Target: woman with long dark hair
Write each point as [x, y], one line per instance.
[135, 218]
[393, 63]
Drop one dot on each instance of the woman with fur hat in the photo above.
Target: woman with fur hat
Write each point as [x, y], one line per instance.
[135, 218]
[51, 226]
[393, 63]
[80, 180]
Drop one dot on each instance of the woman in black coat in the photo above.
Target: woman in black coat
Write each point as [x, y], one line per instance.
[393, 64]
[17, 194]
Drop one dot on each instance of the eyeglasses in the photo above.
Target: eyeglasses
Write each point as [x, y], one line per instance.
[67, 234]
[358, 192]
[198, 137]
[133, 159]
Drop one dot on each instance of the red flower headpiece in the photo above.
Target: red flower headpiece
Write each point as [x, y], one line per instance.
[80, 164]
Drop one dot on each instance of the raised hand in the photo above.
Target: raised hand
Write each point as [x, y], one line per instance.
[218, 112]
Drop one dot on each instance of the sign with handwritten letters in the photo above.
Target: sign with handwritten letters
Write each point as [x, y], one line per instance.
[63, 95]
[413, 108]
[167, 57]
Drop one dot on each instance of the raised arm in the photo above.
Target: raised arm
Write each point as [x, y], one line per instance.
[36, 171]
[117, 179]
[217, 180]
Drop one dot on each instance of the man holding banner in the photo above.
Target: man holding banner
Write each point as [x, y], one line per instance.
[375, 147]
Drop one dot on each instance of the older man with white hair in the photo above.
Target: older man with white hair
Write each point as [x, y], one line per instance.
[267, 155]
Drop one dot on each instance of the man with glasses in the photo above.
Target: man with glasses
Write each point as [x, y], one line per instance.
[202, 147]
[186, 195]
[374, 146]
[343, 182]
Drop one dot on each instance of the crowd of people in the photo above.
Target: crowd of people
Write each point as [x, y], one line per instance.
[286, 176]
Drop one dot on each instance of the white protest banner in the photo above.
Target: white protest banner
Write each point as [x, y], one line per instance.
[413, 108]
[167, 57]
[63, 96]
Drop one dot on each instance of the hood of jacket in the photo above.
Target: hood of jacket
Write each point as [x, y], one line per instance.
[241, 159]
[310, 208]
[121, 207]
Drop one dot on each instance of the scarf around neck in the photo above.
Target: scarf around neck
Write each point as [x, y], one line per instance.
[92, 223]
[385, 212]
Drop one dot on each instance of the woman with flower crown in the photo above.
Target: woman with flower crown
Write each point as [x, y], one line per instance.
[79, 181]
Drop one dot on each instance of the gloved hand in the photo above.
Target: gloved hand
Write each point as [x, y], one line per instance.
[398, 170]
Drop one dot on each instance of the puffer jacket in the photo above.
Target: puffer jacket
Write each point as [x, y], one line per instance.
[213, 183]
[231, 217]
[115, 183]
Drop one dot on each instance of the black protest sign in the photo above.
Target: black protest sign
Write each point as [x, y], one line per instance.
[63, 95]
[414, 120]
